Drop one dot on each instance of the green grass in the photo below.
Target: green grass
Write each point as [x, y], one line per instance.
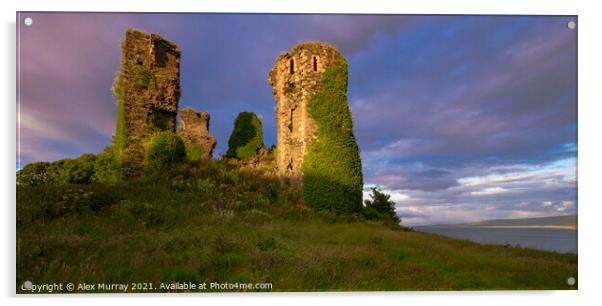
[214, 223]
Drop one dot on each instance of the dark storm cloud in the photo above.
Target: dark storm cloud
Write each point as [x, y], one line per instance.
[435, 99]
[495, 103]
[500, 93]
[415, 177]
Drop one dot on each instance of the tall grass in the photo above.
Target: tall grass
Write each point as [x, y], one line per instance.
[212, 222]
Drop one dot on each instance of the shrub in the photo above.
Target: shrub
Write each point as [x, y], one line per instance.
[380, 206]
[88, 168]
[33, 174]
[246, 138]
[164, 149]
[371, 214]
[106, 168]
[332, 168]
[194, 153]
[72, 171]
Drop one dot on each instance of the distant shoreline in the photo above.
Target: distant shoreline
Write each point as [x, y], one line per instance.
[569, 227]
[557, 222]
[572, 227]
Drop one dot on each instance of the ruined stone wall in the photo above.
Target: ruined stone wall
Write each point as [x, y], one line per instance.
[295, 78]
[148, 91]
[194, 131]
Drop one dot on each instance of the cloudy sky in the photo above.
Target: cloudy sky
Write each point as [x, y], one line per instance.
[459, 118]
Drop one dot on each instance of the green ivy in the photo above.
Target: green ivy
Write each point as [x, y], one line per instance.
[332, 168]
[120, 137]
[143, 78]
[246, 138]
[164, 150]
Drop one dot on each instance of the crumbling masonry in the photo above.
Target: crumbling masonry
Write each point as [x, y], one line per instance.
[147, 87]
[295, 78]
[194, 131]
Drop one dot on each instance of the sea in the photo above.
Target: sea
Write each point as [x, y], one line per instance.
[548, 239]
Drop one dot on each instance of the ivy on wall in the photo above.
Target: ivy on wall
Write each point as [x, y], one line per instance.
[332, 168]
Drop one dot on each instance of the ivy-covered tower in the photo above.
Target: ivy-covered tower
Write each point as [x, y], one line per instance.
[315, 128]
[295, 78]
[147, 88]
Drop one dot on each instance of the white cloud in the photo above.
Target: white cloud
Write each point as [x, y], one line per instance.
[509, 191]
[489, 191]
[548, 174]
[564, 206]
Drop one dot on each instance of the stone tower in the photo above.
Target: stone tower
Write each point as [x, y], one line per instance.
[147, 87]
[194, 131]
[295, 78]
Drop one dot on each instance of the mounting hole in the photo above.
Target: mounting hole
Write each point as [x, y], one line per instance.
[570, 281]
[571, 25]
[28, 21]
[27, 284]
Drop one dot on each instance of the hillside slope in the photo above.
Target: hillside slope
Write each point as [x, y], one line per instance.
[219, 224]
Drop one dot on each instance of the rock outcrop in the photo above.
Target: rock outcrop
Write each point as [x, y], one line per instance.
[194, 131]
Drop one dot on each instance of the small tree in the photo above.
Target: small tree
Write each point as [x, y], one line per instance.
[246, 138]
[382, 204]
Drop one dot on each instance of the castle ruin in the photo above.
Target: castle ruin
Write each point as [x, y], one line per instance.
[295, 78]
[147, 87]
[194, 131]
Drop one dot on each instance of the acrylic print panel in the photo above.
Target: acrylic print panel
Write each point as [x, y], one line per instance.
[272, 152]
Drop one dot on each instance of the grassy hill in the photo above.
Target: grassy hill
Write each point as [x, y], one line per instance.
[215, 223]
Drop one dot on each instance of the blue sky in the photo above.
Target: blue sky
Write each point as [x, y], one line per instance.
[459, 118]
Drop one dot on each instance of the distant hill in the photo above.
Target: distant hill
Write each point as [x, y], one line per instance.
[551, 222]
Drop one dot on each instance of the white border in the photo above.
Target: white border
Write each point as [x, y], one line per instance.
[590, 152]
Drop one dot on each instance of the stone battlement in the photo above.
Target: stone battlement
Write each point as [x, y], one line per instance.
[194, 131]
